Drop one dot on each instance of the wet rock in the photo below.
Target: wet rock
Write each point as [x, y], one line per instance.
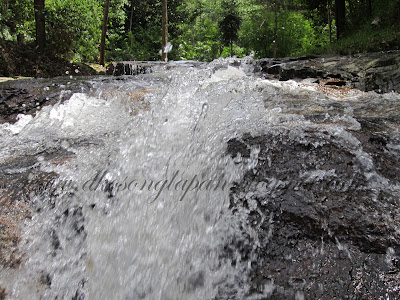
[145, 67]
[316, 218]
[336, 83]
[194, 281]
[20, 180]
[130, 68]
[300, 73]
[79, 294]
[377, 145]
[2, 293]
[28, 96]
[45, 279]
[369, 72]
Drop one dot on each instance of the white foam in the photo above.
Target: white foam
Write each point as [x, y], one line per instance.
[17, 127]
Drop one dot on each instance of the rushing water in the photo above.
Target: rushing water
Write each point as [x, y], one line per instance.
[140, 205]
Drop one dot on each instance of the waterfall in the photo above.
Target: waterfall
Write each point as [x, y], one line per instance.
[140, 203]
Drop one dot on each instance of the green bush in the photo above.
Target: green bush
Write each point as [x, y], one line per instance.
[74, 28]
[141, 45]
[17, 20]
[295, 34]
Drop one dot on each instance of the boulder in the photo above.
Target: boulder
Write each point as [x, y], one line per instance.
[130, 68]
[379, 72]
[27, 96]
[315, 223]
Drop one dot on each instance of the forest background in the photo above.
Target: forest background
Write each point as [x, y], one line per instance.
[199, 29]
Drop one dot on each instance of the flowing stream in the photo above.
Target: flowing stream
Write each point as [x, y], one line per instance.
[139, 207]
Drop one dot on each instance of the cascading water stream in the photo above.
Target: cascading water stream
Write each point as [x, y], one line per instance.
[142, 206]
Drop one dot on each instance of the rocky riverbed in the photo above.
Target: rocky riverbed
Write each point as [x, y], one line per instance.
[377, 72]
[322, 229]
[317, 207]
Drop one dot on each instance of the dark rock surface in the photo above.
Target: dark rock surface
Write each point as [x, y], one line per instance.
[27, 96]
[318, 220]
[378, 72]
[145, 67]
[21, 180]
[130, 68]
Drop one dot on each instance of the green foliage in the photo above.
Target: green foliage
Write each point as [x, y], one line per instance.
[230, 23]
[198, 37]
[73, 28]
[257, 31]
[143, 45]
[203, 29]
[295, 34]
[116, 34]
[234, 51]
[206, 50]
[388, 11]
[362, 35]
[363, 40]
[141, 34]
[16, 20]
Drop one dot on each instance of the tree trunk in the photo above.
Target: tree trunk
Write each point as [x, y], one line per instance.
[340, 18]
[369, 8]
[276, 28]
[330, 20]
[103, 34]
[164, 25]
[40, 22]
